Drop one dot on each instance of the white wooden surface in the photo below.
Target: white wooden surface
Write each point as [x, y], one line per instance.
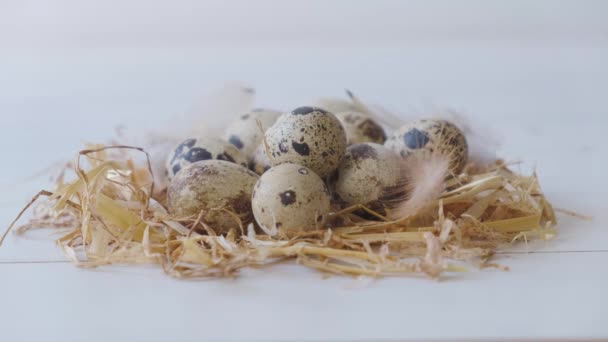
[531, 74]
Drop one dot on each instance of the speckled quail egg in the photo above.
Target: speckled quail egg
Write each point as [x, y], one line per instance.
[259, 163]
[244, 132]
[209, 186]
[426, 137]
[361, 128]
[193, 150]
[290, 196]
[370, 174]
[307, 136]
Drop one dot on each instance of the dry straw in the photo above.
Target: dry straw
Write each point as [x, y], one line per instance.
[112, 214]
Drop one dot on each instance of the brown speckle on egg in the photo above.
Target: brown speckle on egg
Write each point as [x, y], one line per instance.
[244, 132]
[426, 137]
[195, 150]
[361, 128]
[236, 141]
[308, 136]
[370, 174]
[287, 195]
[211, 187]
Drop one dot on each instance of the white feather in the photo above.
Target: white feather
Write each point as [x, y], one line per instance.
[222, 106]
[424, 182]
[482, 140]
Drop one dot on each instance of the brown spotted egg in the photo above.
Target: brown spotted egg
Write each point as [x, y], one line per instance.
[259, 163]
[361, 128]
[244, 132]
[307, 136]
[290, 196]
[370, 174]
[194, 150]
[212, 187]
[427, 137]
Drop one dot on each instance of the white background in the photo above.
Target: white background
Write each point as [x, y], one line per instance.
[531, 74]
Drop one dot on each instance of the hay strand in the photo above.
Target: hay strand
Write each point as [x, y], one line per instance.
[112, 218]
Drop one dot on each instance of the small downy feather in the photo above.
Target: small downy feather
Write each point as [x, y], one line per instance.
[424, 182]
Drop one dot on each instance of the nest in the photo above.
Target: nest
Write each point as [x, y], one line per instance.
[112, 212]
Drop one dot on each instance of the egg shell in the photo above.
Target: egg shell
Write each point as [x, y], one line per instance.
[427, 137]
[194, 150]
[210, 186]
[307, 136]
[290, 196]
[244, 132]
[370, 174]
[260, 163]
[361, 128]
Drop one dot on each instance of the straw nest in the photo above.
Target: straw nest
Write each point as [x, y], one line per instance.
[113, 213]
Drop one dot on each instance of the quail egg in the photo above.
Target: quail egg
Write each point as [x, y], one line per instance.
[426, 137]
[307, 136]
[361, 128]
[244, 132]
[290, 196]
[210, 186]
[193, 150]
[259, 163]
[370, 174]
